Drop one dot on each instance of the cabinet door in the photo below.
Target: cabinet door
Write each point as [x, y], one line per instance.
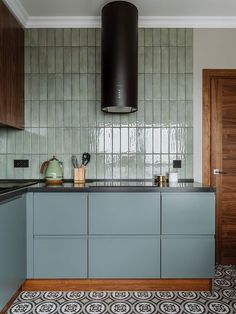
[124, 213]
[187, 257]
[124, 257]
[13, 247]
[11, 69]
[188, 213]
[60, 213]
[58, 257]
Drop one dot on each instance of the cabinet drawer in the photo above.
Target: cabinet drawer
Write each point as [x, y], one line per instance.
[124, 257]
[188, 257]
[58, 257]
[124, 213]
[189, 213]
[60, 213]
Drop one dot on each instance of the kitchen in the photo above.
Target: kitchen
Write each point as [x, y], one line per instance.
[63, 114]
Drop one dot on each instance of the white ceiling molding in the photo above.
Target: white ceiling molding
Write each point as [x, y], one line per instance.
[63, 22]
[144, 21]
[18, 10]
[95, 21]
[188, 21]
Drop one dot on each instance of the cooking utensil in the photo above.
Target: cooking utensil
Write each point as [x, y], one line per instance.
[74, 161]
[85, 159]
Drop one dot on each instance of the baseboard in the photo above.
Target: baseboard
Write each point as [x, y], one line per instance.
[9, 303]
[117, 285]
[228, 260]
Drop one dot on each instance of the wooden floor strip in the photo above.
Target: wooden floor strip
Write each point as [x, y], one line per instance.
[9, 303]
[117, 285]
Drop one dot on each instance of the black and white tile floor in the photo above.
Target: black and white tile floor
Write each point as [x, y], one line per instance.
[221, 301]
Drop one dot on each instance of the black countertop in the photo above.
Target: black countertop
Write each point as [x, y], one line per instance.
[20, 187]
[14, 188]
[122, 186]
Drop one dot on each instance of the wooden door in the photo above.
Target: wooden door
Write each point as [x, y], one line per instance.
[219, 158]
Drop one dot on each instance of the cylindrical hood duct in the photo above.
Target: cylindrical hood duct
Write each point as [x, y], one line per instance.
[119, 57]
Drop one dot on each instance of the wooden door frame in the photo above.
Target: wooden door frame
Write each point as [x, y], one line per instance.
[209, 110]
[208, 76]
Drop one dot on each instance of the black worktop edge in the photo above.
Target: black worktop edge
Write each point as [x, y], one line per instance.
[13, 193]
[105, 189]
[117, 189]
[187, 180]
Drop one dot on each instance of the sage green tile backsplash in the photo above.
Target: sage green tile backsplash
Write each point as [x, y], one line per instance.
[63, 100]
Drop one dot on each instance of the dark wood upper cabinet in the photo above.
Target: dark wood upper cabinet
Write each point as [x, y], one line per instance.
[11, 70]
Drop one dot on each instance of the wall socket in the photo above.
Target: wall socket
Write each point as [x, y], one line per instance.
[177, 163]
[21, 163]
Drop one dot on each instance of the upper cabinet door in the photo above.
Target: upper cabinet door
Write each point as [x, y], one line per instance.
[124, 213]
[11, 70]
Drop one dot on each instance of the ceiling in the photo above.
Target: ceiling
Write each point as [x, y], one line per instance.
[145, 7]
[152, 13]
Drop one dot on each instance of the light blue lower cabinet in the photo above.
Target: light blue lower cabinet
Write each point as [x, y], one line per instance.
[118, 235]
[60, 257]
[188, 213]
[124, 213]
[60, 213]
[187, 257]
[12, 247]
[124, 257]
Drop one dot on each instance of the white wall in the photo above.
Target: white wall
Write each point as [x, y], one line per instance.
[212, 49]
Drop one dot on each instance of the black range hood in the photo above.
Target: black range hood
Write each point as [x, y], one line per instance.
[119, 57]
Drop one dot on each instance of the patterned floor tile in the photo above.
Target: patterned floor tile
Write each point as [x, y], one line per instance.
[221, 301]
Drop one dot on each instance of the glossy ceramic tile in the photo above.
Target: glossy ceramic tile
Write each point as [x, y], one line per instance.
[98, 37]
[62, 107]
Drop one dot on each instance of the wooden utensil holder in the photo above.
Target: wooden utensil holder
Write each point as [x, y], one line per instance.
[79, 174]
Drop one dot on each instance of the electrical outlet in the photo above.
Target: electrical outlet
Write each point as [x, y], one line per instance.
[177, 163]
[21, 163]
